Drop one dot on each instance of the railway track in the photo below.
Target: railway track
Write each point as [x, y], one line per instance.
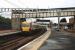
[17, 40]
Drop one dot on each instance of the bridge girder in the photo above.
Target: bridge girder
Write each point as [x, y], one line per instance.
[39, 13]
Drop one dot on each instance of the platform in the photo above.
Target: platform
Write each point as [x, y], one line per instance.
[36, 43]
[59, 41]
[8, 32]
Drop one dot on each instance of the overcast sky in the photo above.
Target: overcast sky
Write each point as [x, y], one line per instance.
[37, 4]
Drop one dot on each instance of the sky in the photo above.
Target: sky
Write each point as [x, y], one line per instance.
[37, 4]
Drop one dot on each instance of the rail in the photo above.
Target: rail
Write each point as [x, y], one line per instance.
[36, 43]
[19, 40]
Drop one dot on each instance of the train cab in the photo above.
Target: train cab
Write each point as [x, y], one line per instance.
[25, 26]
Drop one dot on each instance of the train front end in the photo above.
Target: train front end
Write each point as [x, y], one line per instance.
[25, 27]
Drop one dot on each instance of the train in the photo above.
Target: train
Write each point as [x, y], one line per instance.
[30, 27]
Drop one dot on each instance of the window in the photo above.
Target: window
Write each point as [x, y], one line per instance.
[25, 25]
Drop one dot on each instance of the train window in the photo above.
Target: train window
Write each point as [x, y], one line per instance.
[25, 25]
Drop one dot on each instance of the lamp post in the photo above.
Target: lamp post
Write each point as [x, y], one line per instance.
[58, 12]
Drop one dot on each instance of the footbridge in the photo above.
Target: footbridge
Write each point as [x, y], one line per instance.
[39, 13]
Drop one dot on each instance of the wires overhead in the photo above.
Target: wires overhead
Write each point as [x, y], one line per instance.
[1, 6]
[15, 5]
